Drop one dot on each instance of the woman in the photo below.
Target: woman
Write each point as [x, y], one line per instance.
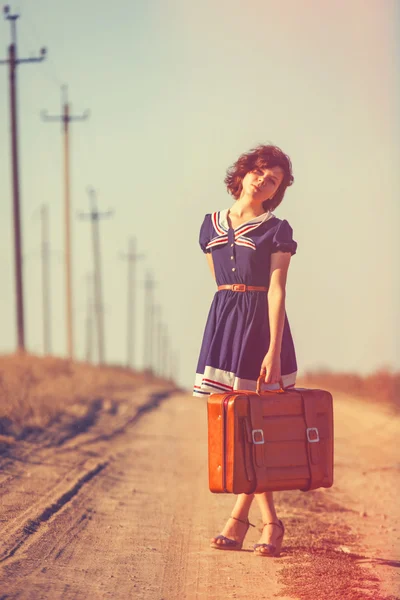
[247, 333]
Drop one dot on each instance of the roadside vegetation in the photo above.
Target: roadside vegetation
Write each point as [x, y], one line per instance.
[382, 386]
[38, 393]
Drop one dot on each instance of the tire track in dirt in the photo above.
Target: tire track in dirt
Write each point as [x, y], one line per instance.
[18, 530]
[120, 425]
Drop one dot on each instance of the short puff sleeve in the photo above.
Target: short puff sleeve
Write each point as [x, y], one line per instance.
[205, 234]
[283, 239]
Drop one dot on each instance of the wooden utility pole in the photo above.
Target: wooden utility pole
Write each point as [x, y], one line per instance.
[12, 62]
[157, 339]
[89, 317]
[148, 322]
[131, 257]
[45, 280]
[94, 216]
[66, 119]
[164, 350]
[174, 367]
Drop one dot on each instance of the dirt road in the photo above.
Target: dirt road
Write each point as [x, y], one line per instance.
[128, 515]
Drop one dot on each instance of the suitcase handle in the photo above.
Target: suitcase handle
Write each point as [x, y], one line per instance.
[259, 384]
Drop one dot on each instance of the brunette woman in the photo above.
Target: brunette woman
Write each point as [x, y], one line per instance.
[247, 333]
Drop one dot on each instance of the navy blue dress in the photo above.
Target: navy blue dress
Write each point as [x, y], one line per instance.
[237, 334]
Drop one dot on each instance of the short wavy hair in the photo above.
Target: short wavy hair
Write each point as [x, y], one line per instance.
[260, 157]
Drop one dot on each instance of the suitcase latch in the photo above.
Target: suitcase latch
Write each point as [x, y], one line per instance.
[257, 433]
[312, 434]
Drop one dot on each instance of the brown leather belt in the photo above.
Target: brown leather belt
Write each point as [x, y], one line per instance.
[241, 287]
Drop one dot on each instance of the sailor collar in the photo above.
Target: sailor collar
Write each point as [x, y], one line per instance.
[221, 227]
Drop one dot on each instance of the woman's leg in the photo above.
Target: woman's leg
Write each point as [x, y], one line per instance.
[270, 533]
[265, 501]
[236, 530]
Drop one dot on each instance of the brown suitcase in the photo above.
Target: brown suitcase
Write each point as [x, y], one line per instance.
[270, 441]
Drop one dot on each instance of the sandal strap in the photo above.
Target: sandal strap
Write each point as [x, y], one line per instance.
[242, 521]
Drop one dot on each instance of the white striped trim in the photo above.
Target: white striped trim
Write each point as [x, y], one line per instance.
[221, 226]
[216, 380]
[218, 241]
[244, 241]
[218, 226]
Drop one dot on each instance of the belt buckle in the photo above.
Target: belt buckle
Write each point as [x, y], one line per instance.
[239, 287]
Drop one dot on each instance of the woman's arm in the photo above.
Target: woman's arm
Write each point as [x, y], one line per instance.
[210, 263]
[271, 364]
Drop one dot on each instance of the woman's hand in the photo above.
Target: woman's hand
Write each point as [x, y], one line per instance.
[271, 367]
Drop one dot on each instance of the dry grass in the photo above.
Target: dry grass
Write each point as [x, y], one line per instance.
[383, 386]
[36, 392]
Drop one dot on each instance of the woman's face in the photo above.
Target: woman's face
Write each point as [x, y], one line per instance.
[262, 183]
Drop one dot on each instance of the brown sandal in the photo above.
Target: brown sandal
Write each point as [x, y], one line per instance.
[270, 549]
[228, 543]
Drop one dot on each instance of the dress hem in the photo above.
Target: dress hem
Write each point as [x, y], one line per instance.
[217, 380]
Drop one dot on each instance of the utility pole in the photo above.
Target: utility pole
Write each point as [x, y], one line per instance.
[164, 350]
[174, 371]
[12, 62]
[148, 322]
[89, 318]
[168, 355]
[66, 119]
[94, 216]
[158, 336]
[174, 368]
[171, 366]
[45, 280]
[131, 257]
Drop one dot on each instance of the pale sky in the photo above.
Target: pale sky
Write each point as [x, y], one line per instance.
[177, 91]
